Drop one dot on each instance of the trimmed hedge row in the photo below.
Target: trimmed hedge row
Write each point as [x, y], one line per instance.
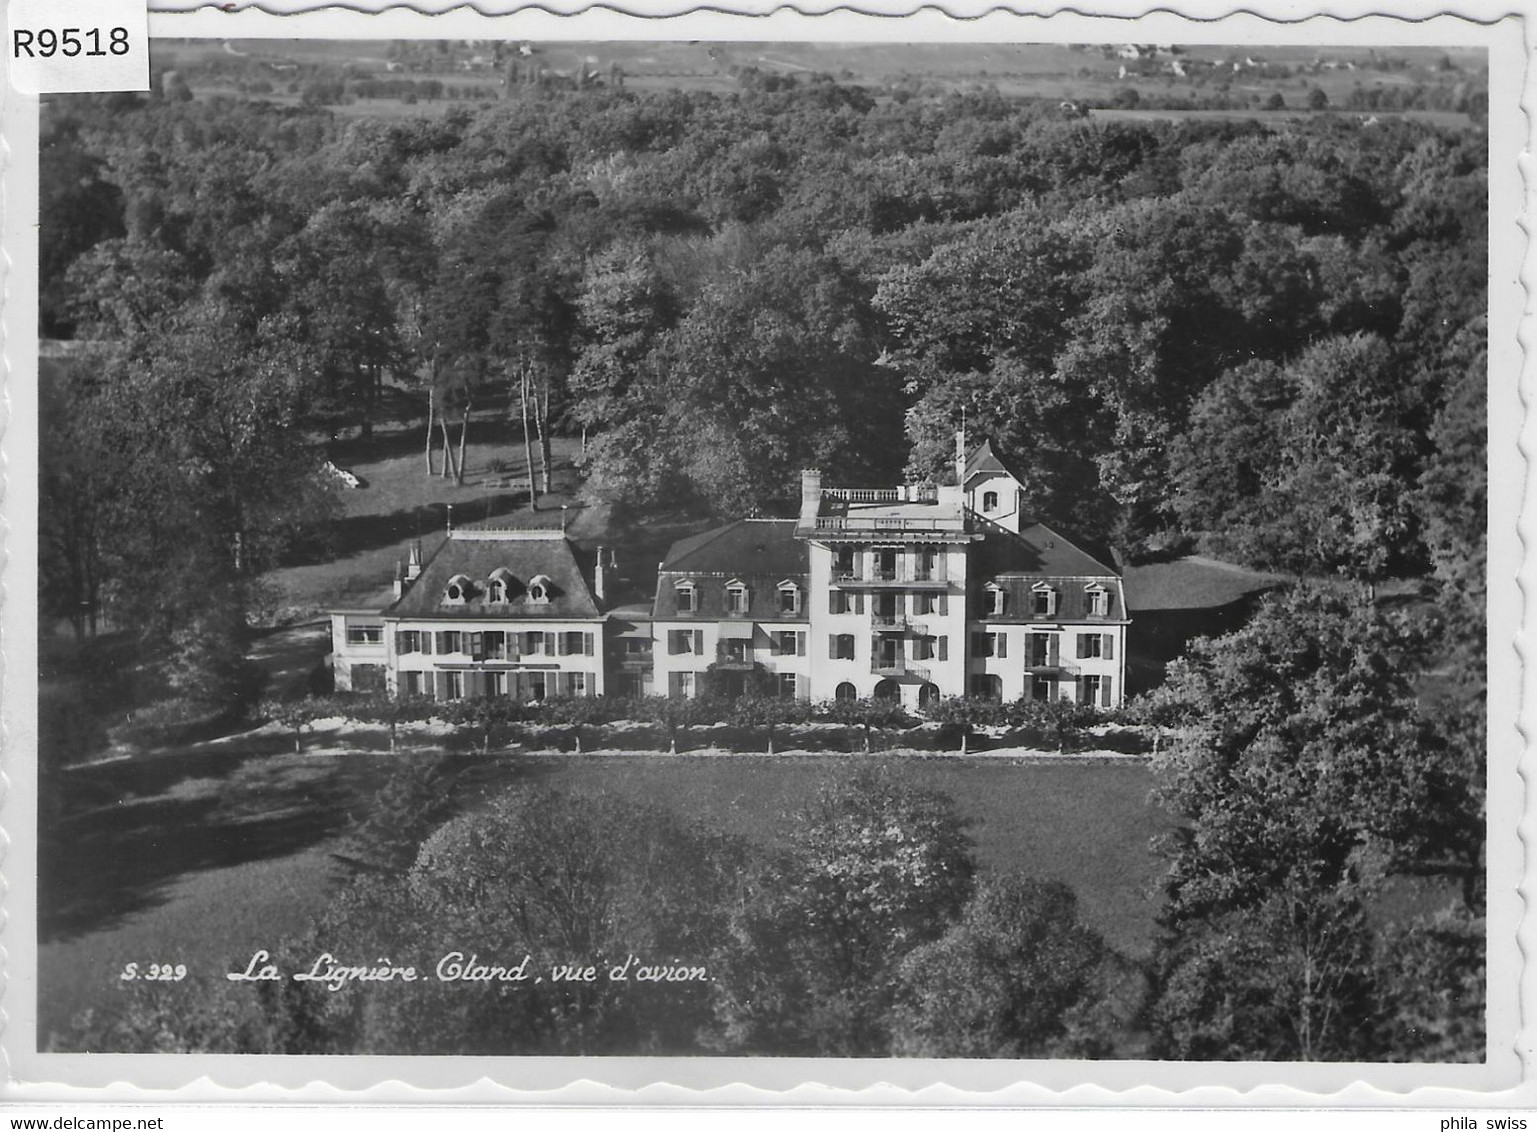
[745, 724]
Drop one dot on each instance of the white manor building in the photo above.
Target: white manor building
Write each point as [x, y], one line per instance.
[491, 613]
[909, 593]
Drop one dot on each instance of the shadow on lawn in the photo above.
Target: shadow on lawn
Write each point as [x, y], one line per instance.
[132, 828]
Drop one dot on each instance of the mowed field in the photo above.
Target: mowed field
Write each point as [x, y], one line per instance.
[1049, 71]
[1087, 824]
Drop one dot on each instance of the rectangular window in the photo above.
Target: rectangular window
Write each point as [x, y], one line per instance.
[635, 646]
[790, 600]
[1000, 644]
[407, 641]
[453, 685]
[837, 602]
[365, 634]
[577, 683]
[1038, 650]
[1093, 645]
[682, 685]
[736, 600]
[995, 603]
[494, 644]
[926, 566]
[982, 644]
[923, 648]
[787, 686]
[842, 646]
[1043, 603]
[448, 641]
[1088, 689]
[413, 685]
[1099, 603]
[685, 599]
[576, 643]
[928, 603]
[843, 561]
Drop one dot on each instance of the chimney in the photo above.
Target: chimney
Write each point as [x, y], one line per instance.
[599, 587]
[400, 579]
[811, 486]
[450, 518]
[414, 563]
[960, 455]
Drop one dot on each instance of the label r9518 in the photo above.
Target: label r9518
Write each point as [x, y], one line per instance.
[44, 43]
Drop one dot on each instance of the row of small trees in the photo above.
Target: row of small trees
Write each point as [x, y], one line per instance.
[1060, 723]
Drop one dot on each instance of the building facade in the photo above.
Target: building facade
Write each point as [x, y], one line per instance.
[911, 594]
[490, 613]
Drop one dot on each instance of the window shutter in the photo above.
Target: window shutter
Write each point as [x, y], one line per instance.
[832, 648]
[426, 642]
[699, 641]
[1104, 691]
[859, 603]
[587, 644]
[1051, 603]
[944, 648]
[800, 644]
[477, 645]
[943, 604]
[1109, 649]
[1083, 646]
[442, 642]
[549, 644]
[1053, 650]
[1002, 644]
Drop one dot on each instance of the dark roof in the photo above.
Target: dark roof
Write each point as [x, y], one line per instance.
[759, 552]
[1017, 563]
[1037, 549]
[475, 554]
[985, 461]
[758, 546]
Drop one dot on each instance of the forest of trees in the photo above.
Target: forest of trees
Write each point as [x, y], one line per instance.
[1267, 346]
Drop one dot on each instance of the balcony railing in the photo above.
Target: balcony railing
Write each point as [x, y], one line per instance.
[1045, 666]
[885, 523]
[921, 494]
[733, 660]
[898, 667]
[902, 576]
[897, 623]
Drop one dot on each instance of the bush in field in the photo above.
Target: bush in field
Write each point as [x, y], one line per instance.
[567, 879]
[1015, 977]
[874, 868]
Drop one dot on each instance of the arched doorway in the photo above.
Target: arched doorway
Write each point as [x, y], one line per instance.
[928, 696]
[846, 691]
[888, 690]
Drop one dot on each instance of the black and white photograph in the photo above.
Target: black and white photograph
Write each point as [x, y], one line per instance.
[772, 549]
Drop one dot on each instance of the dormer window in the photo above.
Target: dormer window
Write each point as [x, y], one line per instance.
[789, 599]
[458, 591]
[1099, 600]
[1043, 600]
[995, 599]
[989, 501]
[539, 590]
[736, 598]
[688, 597]
[499, 586]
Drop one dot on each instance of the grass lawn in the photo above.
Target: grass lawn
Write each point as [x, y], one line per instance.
[216, 839]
